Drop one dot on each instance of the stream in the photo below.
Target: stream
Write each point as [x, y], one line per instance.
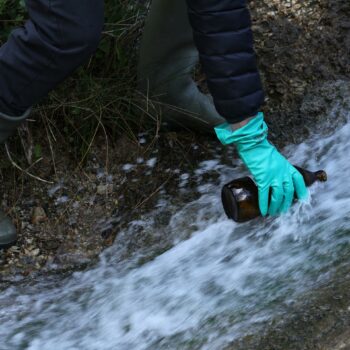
[219, 280]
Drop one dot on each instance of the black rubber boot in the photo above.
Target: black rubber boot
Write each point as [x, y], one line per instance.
[8, 125]
[168, 59]
[8, 235]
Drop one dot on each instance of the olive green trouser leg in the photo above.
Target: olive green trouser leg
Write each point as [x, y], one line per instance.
[167, 60]
[8, 125]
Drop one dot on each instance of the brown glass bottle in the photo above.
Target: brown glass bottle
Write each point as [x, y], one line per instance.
[240, 196]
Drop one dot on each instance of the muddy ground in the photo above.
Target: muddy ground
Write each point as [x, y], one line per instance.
[64, 225]
[70, 212]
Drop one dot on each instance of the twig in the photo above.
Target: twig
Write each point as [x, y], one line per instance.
[23, 170]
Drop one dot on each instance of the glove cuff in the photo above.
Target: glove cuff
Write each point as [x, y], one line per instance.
[252, 133]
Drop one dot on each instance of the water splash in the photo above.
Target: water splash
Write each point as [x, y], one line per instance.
[210, 288]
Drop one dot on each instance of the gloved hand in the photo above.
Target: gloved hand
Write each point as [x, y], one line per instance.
[268, 167]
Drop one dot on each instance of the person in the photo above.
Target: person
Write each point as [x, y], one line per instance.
[219, 35]
[58, 37]
[61, 35]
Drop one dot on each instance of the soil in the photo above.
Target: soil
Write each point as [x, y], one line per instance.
[64, 225]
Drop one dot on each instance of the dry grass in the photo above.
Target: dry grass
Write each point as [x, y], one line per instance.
[100, 98]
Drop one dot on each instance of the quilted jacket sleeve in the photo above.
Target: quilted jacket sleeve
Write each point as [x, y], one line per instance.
[223, 36]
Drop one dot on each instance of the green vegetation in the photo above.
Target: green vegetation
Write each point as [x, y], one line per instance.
[100, 97]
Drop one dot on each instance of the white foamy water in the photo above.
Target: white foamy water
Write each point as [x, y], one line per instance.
[226, 279]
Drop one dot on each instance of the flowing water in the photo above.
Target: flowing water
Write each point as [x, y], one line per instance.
[217, 282]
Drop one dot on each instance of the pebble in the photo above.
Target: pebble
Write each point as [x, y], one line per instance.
[104, 189]
[38, 216]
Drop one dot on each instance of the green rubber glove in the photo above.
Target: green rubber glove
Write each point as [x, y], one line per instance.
[268, 167]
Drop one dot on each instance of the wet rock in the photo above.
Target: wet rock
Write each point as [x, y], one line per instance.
[300, 46]
[325, 107]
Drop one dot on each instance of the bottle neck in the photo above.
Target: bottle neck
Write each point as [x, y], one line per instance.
[311, 177]
[321, 176]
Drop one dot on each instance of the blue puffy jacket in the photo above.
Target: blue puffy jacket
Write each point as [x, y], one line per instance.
[223, 36]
